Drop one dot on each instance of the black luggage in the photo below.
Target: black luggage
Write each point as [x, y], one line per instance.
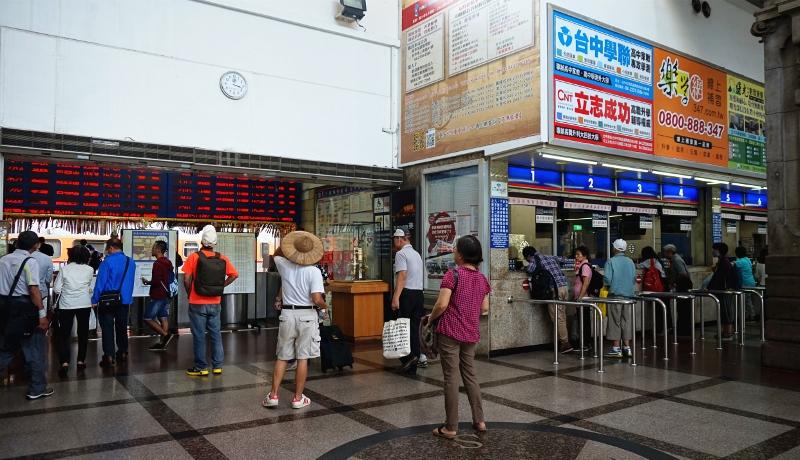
[335, 352]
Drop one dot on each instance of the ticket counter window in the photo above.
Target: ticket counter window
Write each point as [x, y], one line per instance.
[753, 236]
[730, 234]
[636, 230]
[529, 226]
[577, 228]
[677, 230]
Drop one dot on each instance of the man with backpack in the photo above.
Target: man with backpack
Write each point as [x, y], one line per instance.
[161, 285]
[206, 273]
[23, 317]
[547, 282]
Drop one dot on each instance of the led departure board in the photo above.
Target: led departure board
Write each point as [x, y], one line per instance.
[69, 189]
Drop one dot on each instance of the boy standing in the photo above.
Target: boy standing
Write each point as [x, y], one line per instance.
[157, 314]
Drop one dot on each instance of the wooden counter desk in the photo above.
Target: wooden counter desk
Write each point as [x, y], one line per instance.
[358, 308]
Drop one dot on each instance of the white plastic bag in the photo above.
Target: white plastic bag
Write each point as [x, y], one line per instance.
[92, 320]
[397, 338]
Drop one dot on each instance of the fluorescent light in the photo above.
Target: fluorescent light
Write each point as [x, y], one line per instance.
[571, 160]
[711, 181]
[669, 174]
[624, 168]
[739, 184]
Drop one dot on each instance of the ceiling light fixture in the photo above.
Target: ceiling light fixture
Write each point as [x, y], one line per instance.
[669, 174]
[571, 160]
[624, 168]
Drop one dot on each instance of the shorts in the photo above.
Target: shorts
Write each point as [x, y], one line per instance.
[157, 308]
[298, 335]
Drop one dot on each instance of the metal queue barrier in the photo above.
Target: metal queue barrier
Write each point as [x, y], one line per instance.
[597, 319]
[624, 301]
[758, 291]
[673, 298]
[709, 294]
[738, 302]
[655, 298]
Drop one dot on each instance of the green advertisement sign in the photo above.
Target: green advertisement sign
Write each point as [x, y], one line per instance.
[746, 140]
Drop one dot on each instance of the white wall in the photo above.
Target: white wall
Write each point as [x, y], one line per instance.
[149, 70]
[723, 39]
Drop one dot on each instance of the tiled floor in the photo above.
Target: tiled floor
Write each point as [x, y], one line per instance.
[716, 404]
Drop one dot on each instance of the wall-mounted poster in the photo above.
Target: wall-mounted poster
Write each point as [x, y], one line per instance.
[471, 75]
[691, 110]
[138, 245]
[746, 114]
[602, 86]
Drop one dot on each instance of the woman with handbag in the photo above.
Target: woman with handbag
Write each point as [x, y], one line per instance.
[463, 298]
[74, 291]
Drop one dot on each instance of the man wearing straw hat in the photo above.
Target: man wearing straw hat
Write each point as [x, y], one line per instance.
[302, 289]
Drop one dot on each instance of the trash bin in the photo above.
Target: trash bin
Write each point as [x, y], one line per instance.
[234, 311]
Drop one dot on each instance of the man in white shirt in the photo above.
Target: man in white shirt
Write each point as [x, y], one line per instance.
[302, 290]
[408, 300]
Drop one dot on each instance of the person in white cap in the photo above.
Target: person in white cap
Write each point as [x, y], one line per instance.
[302, 290]
[620, 276]
[206, 273]
[408, 300]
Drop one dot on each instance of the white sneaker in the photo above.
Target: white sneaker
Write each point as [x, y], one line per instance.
[269, 401]
[303, 402]
[292, 367]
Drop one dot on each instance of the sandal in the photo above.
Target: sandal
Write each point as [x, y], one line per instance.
[477, 427]
[441, 434]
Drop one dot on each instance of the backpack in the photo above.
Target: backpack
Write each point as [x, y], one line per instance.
[652, 279]
[209, 279]
[733, 280]
[172, 285]
[542, 284]
[596, 283]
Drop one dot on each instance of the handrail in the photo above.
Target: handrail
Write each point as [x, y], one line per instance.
[704, 293]
[739, 303]
[655, 300]
[598, 323]
[757, 291]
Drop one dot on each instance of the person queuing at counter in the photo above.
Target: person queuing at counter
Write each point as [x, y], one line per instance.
[408, 299]
[761, 267]
[45, 272]
[157, 313]
[73, 287]
[745, 272]
[724, 277]
[679, 280]
[553, 265]
[22, 301]
[302, 292]
[205, 275]
[620, 276]
[463, 298]
[582, 287]
[112, 297]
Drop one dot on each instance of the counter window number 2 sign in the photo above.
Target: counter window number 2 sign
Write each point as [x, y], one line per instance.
[591, 182]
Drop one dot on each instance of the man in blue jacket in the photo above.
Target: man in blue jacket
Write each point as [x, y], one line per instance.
[116, 273]
[620, 277]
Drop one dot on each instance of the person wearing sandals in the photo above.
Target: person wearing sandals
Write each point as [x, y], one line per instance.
[463, 298]
[73, 288]
[302, 291]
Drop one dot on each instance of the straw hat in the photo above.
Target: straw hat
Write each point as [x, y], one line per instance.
[302, 248]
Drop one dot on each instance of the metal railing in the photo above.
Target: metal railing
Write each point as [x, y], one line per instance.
[597, 319]
[739, 302]
[655, 298]
[624, 301]
[709, 294]
[673, 298]
[758, 291]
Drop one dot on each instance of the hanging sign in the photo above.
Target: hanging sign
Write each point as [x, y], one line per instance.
[755, 200]
[730, 227]
[589, 183]
[679, 193]
[762, 229]
[645, 222]
[527, 177]
[599, 220]
[637, 210]
[637, 188]
[544, 215]
[686, 225]
[732, 198]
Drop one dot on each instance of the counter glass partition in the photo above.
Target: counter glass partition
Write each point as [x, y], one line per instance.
[577, 228]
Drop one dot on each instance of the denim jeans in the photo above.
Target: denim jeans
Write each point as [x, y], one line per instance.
[33, 348]
[205, 318]
[115, 323]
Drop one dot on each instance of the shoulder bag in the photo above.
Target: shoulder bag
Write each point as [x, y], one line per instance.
[110, 301]
[18, 316]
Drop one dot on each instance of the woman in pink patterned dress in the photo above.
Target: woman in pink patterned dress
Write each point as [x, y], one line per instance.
[463, 298]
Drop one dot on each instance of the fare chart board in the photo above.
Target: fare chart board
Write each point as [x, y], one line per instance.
[84, 190]
[240, 248]
[138, 245]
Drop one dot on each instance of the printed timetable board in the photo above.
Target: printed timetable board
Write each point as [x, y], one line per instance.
[138, 245]
[240, 248]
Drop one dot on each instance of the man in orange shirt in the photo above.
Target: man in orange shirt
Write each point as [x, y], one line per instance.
[206, 273]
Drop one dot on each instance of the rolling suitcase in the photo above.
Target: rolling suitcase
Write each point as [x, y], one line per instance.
[335, 352]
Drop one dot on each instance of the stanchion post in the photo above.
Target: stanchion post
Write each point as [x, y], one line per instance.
[674, 308]
[633, 326]
[702, 319]
[743, 302]
[693, 326]
[580, 313]
[655, 326]
[644, 336]
[555, 335]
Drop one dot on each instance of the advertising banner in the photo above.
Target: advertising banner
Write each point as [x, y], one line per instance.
[690, 110]
[471, 75]
[746, 113]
